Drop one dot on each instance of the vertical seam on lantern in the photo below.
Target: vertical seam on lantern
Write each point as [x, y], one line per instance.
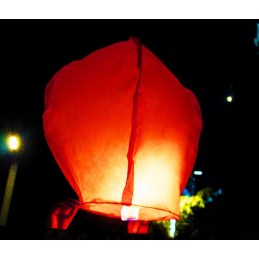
[127, 194]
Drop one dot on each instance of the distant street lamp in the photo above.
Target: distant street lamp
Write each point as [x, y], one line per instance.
[229, 99]
[13, 143]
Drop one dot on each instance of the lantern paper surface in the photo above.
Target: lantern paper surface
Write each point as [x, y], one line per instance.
[124, 132]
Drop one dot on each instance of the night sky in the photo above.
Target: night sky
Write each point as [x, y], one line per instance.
[210, 57]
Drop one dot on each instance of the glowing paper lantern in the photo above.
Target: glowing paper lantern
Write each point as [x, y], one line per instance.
[124, 132]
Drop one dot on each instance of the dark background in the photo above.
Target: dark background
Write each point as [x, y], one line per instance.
[211, 57]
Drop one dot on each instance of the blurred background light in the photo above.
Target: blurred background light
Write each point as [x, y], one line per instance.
[13, 142]
[229, 98]
[197, 172]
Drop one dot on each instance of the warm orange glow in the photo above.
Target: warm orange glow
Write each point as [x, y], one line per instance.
[124, 132]
[157, 170]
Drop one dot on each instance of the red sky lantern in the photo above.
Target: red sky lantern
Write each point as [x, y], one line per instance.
[124, 132]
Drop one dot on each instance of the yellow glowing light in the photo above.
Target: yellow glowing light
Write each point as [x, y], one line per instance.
[13, 143]
[229, 98]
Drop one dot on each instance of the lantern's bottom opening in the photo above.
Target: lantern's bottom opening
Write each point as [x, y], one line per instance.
[132, 212]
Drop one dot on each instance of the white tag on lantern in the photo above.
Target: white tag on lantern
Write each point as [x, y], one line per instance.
[129, 213]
